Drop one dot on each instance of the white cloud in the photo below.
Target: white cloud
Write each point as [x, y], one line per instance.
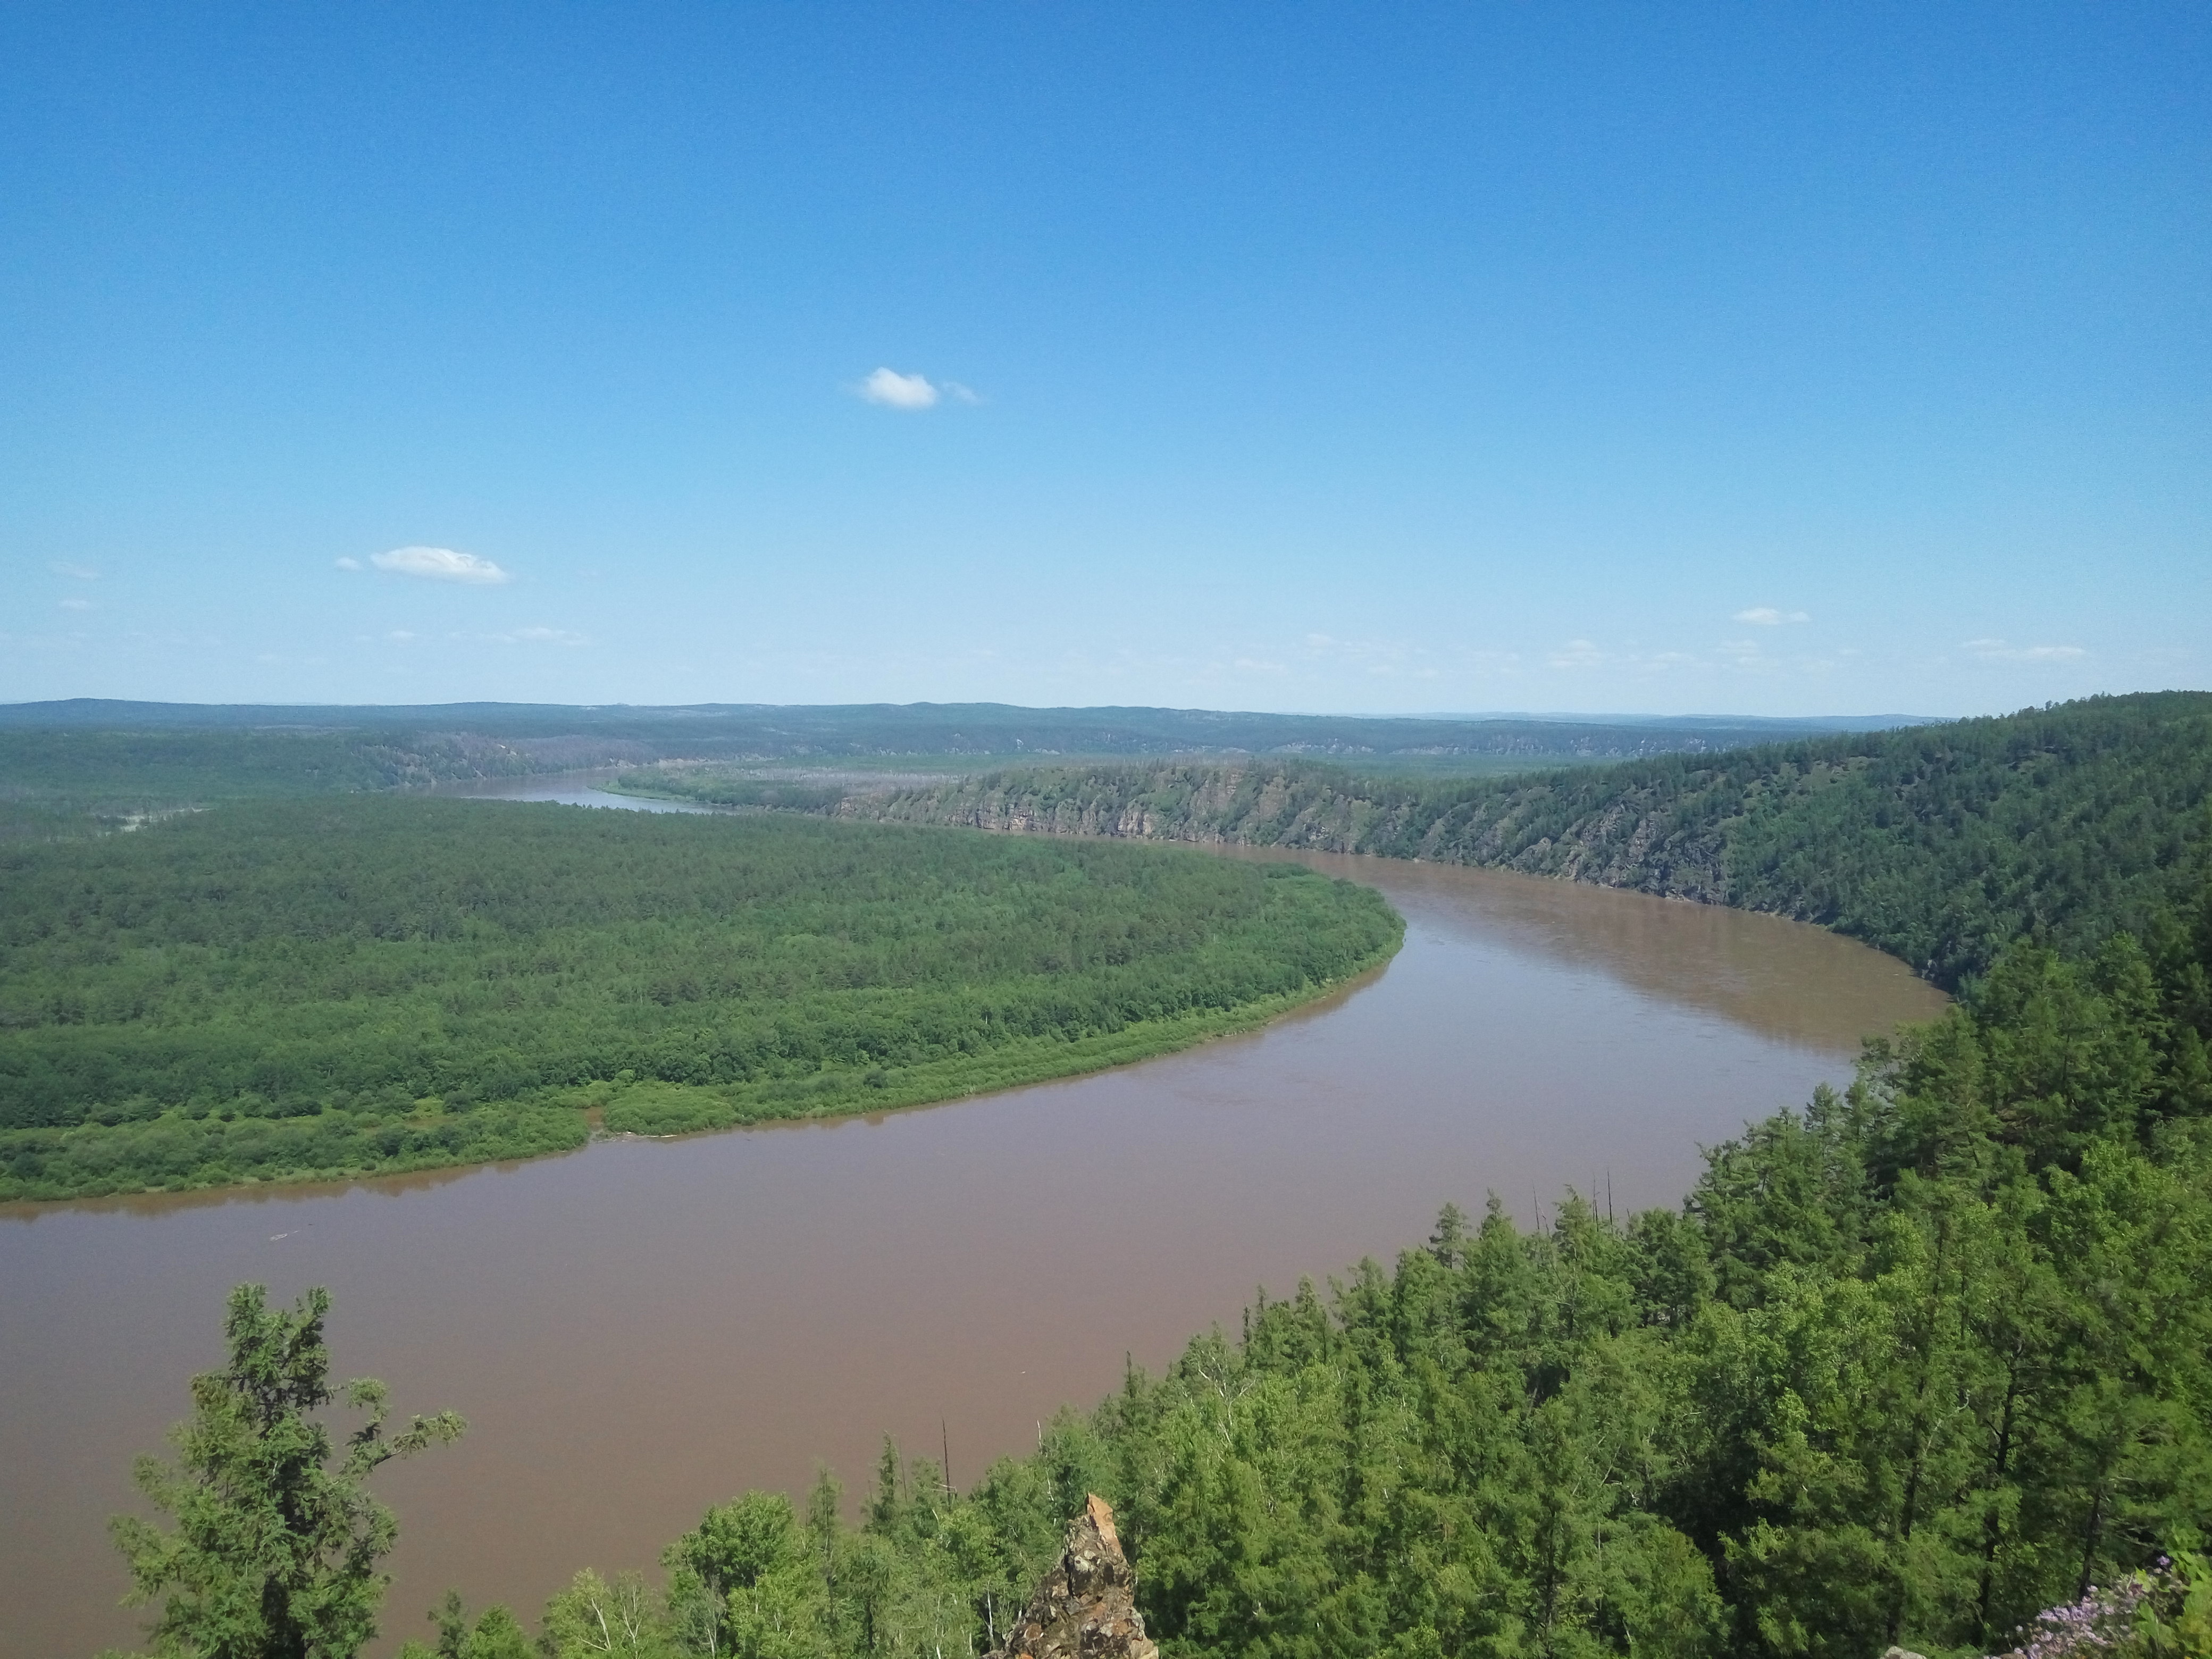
[893, 390]
[76, 604]
[347, 564]
[1577, 654]
[1999, 651]
[542, 636]
[962, 394]
[63, 568]
[439, 564]
[1765, 615]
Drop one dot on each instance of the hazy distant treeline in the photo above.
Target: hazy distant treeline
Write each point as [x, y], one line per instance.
[72, 767]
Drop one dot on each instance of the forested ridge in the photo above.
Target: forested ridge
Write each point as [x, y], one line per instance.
[1938, 844]
[320, 988]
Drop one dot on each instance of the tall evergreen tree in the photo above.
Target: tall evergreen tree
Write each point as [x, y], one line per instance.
[276, 1548]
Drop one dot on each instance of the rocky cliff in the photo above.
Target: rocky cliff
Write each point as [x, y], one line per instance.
[1550, 825]
[1086, 1605]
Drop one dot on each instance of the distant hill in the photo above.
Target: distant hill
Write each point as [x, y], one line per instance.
[1938, 844]
[770, 731]
[74, 763]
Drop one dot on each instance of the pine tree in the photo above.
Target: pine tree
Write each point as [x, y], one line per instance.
[275, 1551]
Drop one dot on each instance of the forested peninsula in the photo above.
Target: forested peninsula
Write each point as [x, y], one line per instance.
[1938, 844]
[314, 989]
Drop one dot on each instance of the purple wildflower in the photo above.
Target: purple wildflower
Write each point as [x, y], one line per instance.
[2103, 1621]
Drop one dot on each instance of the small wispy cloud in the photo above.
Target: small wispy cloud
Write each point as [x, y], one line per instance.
[541, 636]
[78, 572]
[347, 564]
[1577, 654]
[893, 390]
[76, 604]
[1765, 615]
[2002, 651]
[439, 564]
[913, 393]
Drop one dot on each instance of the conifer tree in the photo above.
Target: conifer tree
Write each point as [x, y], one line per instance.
[276, 1548]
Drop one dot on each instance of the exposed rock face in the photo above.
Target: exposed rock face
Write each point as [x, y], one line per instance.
[1085, 1608]
[1644, 839]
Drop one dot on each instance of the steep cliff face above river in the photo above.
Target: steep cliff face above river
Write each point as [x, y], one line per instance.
[1628, 839]
[1937, 844]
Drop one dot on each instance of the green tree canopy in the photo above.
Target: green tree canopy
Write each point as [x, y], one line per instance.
[275, 1551]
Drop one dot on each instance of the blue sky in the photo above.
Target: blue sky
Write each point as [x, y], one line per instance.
[1757, 359]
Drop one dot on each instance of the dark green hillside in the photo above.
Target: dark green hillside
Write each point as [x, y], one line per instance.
[1937, 843]
[376, 982]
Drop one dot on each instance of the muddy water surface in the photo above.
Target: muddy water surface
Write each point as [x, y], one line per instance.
[643, 1328]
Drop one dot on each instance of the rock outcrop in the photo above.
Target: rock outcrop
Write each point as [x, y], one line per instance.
[1085, 1608]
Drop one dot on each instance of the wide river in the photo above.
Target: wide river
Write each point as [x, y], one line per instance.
[641, 1329]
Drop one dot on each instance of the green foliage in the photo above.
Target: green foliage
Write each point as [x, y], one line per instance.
[1938, 844]
[496, 1634]
[298, 989]
[275, 1551]
[594, 1619]
[2176, 1613]
[743, 1583]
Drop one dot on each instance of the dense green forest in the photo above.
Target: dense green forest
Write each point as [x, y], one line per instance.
[1938, 844]
[314, 988]
[1911, 1365]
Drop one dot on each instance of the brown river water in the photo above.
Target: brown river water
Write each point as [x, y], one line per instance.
[641, 1329]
